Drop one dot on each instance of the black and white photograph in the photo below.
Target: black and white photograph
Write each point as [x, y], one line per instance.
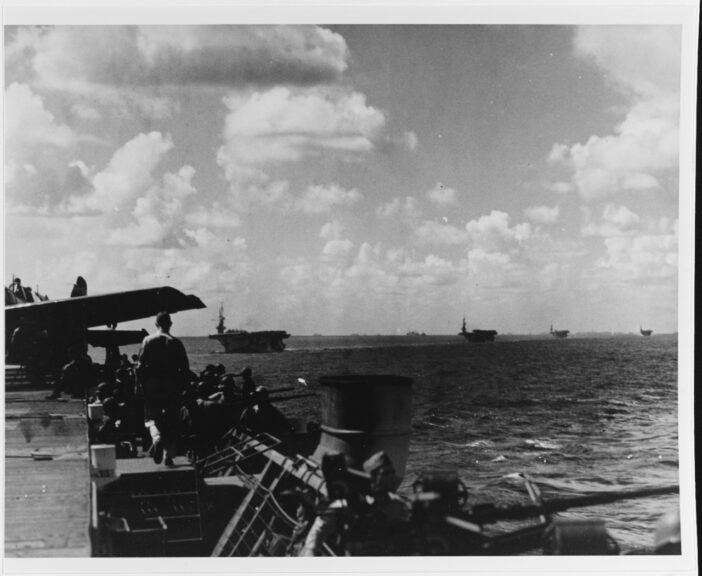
[316, 288]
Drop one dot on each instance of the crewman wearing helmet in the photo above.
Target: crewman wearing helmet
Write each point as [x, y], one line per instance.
[366, 518]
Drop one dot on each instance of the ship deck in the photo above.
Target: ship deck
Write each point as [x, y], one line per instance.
[47, 481]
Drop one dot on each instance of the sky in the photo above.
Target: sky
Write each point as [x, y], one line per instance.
[370, 179]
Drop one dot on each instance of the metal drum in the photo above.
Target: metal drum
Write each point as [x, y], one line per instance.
[364, 414]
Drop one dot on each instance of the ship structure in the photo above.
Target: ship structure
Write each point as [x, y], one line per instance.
[253, 488]
[477, 335]
[242, 341]
[645, 332]
[559, 333]
[256, 494]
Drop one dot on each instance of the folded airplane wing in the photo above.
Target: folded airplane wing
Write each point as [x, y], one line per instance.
[101, 309]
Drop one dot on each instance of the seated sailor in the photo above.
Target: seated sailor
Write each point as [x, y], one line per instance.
[77, 376]
[369, 515]
[262, 416]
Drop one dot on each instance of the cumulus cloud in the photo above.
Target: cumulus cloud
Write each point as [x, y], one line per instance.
[281, 125]
[133, 205]
[28, 122]
[508, 274]
[430, 232]
[334, 250]
[644, 63]
[216, 215]
[368, 270]
[493, 233]
[645, 59]
[367, 289]
[406, 208]
[620, 216]
[432, 271]
[131, 70]
[642, 147]
[641, 258]
[320, 199]
[479, 260]
[85, 111]
[38, 153]
[126, 177]
[542, 214]
[158, 215]
[616, 221]
[147, 266]
[208, 263]
[379, 272]
[442, 195]
[80, 58]
[332, 230]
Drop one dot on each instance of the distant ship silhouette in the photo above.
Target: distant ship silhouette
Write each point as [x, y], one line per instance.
[477, 335]
[559, 333]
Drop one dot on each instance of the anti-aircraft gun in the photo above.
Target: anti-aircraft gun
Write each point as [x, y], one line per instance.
[444, 525]
[440, 523]
[355, 423]
[290, 495]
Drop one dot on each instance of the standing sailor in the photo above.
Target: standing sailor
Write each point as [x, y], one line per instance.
[163, 372]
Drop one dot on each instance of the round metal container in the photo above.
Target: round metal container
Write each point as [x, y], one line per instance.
[364, 414]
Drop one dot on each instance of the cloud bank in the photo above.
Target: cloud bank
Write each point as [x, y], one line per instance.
[643, 63]
[84, 58]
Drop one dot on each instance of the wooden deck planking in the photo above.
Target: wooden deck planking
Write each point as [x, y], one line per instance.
[47, 502]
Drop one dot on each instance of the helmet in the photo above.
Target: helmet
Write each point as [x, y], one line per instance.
[163, 319]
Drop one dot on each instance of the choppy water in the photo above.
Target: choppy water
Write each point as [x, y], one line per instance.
[578, 415]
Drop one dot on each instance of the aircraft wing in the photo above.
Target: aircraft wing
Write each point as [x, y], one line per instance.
[104, 338]
[101, 309]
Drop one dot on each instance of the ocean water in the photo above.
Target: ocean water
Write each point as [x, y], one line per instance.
[578, 415]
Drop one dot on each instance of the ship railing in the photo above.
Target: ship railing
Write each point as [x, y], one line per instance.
[271, 528]
[262, 525]
[266, 527]
[229, 459]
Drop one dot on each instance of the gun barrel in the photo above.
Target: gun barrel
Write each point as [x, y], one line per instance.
[496, 514]
[293, 397]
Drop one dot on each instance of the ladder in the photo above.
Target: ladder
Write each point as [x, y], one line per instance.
[260, 526]
[227, 461]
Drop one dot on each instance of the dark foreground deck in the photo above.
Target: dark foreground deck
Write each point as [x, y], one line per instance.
[47, 480]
